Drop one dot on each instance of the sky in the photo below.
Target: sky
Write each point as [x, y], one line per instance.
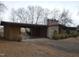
[72, 6]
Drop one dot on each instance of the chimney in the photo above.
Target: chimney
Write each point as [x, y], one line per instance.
[52, 22]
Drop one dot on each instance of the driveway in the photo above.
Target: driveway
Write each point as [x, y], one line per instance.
[40, 47]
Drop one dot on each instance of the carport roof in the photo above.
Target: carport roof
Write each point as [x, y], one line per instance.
[4, 23]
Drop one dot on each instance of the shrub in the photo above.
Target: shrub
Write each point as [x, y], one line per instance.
[75, 34]
[57, 36]
[66, 35]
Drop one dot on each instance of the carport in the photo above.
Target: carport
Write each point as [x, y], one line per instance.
[12, 30]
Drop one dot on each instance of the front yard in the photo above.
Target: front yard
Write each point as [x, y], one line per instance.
[40, 47]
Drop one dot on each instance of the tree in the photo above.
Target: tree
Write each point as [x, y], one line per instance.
[13, 16]
[19, 15]
[22, 15]
[65, 18]
[45, 15]
[37, 14]
[2, 9]
[55, 13]
[32, 15]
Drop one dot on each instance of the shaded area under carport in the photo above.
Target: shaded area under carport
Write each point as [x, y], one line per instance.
[12, 30]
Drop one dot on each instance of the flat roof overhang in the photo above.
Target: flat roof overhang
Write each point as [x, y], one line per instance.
[4, 23]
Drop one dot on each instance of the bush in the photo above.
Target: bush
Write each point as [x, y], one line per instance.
[75, 34]
[57, 36]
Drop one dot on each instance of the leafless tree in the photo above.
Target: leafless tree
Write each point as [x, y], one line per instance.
[65, 18]
[37, 14]
[30, 12]
[13, 15]
[45, 15]
[33, 15]
[55, 13]
[2, 9]
[19, 15]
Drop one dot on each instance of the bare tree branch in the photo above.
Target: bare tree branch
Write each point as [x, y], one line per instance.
[19, 15]
[65, 18]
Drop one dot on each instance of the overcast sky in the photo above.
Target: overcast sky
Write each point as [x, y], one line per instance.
[72, 6]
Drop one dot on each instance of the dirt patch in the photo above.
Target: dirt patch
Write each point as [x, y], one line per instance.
[40, 47]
